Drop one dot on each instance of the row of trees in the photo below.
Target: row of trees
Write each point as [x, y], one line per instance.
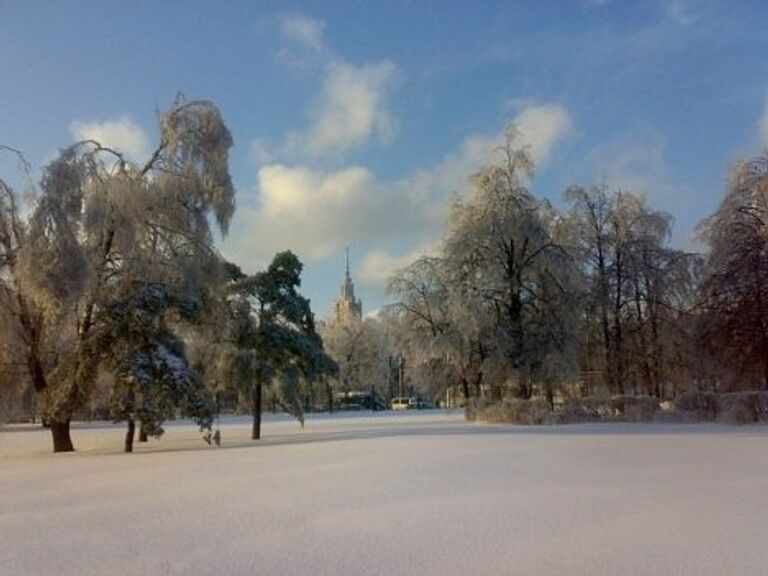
[111, 287]
[112, 281]
[525, 299]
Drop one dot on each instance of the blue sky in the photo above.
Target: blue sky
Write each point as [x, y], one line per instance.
[356, 123]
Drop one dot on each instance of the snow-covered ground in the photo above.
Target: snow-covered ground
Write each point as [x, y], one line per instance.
[416, 493]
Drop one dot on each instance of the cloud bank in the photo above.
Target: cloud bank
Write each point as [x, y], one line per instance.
[316, 211]
[122, 134]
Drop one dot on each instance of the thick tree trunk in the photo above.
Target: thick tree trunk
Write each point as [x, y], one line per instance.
[256, 411]
[62, 442]
[35, 368]
[129, 435]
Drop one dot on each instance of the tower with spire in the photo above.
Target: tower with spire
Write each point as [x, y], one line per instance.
[347, 309]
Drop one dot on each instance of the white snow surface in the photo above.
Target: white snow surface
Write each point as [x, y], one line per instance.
[413, 493]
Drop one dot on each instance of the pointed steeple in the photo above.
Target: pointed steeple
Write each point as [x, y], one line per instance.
[347, 308]
[346, 262]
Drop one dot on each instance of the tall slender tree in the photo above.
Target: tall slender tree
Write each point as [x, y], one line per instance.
[734, 292]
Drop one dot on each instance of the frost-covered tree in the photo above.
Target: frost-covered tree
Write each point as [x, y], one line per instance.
[734, 292]
[103, 225]
[152, 379]
[439, 331]
[502, 257]
[21, 321]
[661, 294]
[521, 297]
[636, 290]
[361, 351]
[496, 304]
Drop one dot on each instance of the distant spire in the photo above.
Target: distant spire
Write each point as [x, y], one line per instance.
[346, 261]
[347, 307]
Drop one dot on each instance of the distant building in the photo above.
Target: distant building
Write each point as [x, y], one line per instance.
[347, 309]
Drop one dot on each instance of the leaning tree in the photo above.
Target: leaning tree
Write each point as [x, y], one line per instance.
[105, 226]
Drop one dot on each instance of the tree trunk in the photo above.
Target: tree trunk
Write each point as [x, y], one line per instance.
[129, 435]
[550, 395]
[35, 367]
[62, 442]
[143, 437]
[618, 352]
[608, 376]
[465, 389]
[479, 384]
[256, 411]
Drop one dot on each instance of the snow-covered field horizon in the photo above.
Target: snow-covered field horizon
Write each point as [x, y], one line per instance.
[414, 493]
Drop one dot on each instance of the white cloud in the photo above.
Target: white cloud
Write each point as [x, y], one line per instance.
[543, 127]
[122, 134]
[312, 212]
[304, 30]
[350, 111]
[315, 212]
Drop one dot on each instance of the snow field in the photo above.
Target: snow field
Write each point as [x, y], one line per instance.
[416, 493]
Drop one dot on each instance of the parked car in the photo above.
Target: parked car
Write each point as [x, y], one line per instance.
[358, 400]
[351, 407]
[404, 403]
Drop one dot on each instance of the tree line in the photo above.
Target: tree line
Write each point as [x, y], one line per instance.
[112, 292]
[111, 285]
[522, 299]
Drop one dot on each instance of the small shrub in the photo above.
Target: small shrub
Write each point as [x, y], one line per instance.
[535, 411]
[510, 411]
[476, 408]
[762, 406]
[738, 408]
[634, 408]
[696, 406]
[494, 413]
[732, 408]
[588, 409]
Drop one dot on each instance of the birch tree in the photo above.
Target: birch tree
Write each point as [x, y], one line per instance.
[734, 292]
[102, 224]
[502, 255]
[637, 291]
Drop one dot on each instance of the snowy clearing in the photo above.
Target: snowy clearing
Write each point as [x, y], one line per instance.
[415, 493]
